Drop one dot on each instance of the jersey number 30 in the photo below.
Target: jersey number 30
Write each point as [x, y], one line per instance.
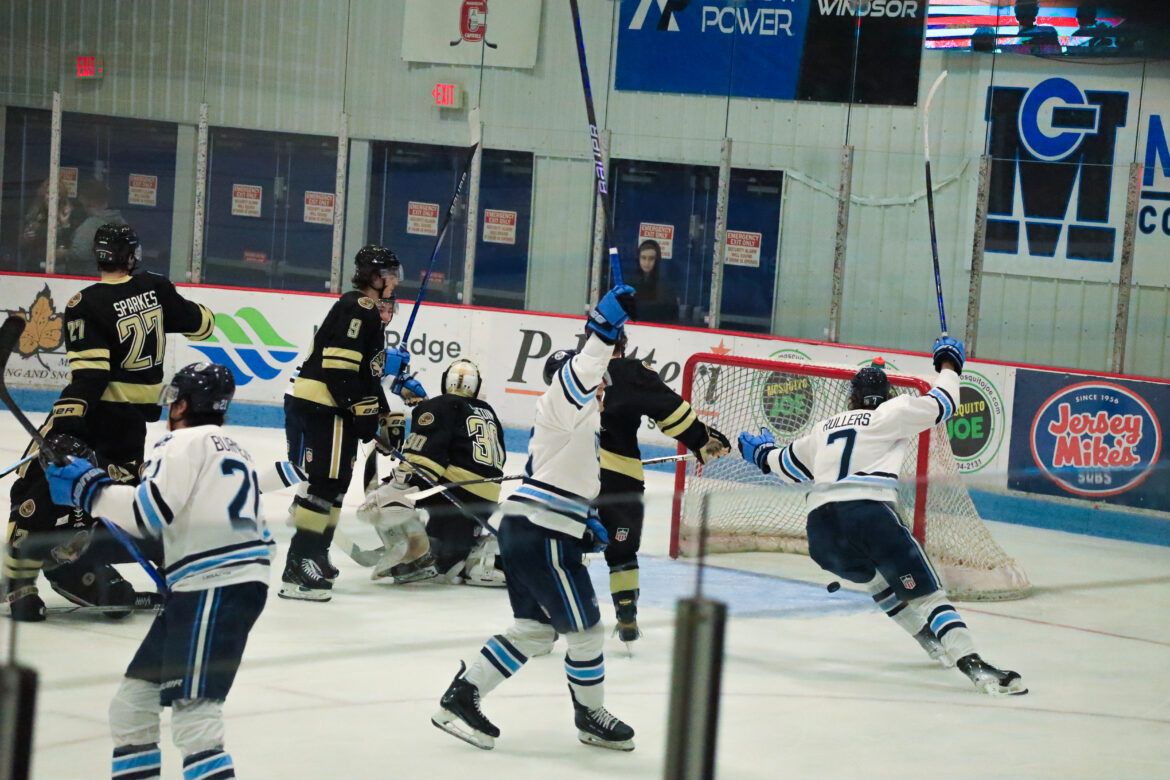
[237, 509]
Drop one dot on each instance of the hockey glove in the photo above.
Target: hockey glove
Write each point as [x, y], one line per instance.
[397, 361]
[596, 538]
[755, 449]
[947, 348]
[716, 447]
[365, 417]
[76, 483]
[611, 312]
[409, 389]
[391, 432]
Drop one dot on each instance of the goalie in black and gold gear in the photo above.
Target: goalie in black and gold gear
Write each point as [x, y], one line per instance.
[634, 391]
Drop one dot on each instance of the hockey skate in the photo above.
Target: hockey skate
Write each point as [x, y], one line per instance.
[303, 580]
[420, 569]
[24, 602]
[460, 716]
[601, 728]
[627, 620]
[934, 648]
[987, 678]
[97, 586]
[483, 567]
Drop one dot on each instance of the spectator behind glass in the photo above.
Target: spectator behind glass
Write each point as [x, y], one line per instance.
[35, 227]
[95, 199]
[1097, 33]
[1030, 33]
[656, 299]
[983, 39]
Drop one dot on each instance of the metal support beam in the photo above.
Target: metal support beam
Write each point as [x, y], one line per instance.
[199, 212]
[978, 246]
[54, 187]
[696, 676]
[600, 256]
[471, 237]
[1125, 280]
[841, 245]
[721, 196]
[339, 185]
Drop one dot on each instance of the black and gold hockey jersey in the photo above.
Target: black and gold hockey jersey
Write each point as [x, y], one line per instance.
[115, 336]
[455, 438]
[344, 367]
[633, 391]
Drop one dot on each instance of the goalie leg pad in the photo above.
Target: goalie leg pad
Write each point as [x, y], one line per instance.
[197, 725]
[134, 713]
[483, 568]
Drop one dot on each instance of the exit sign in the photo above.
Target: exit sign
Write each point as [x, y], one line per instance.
[447, 95]
[89, 67]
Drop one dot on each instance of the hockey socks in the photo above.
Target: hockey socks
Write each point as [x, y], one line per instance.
[498, 660]
[215, 764]
[586, 680]
[947, 624]
[136, 762]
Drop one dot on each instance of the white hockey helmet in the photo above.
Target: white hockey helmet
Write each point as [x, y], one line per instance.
[462, 378]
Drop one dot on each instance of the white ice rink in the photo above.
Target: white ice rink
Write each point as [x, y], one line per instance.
[814, 686]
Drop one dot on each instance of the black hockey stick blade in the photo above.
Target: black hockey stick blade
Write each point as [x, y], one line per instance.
[9, 335]
[18, 702]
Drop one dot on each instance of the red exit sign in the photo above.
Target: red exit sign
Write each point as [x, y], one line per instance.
[447, 95]
[89, 67]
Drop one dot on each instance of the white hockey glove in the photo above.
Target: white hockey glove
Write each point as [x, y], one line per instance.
[390, 504]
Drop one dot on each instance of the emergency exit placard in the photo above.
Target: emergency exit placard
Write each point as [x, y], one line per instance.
[319, 207]
[246, 200]
[663, 234]
[499, 226]
[142, 190]
[422, 219]
[743, 248]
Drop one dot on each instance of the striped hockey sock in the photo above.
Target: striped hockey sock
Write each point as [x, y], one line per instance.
[136, 762]
[947, 624]
[215, 764]
[902, 613]
[498, 660]
[587, 680]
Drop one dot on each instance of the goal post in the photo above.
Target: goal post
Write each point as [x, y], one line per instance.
[757, 512]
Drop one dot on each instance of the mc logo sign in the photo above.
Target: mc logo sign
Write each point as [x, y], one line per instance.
[1052, 149]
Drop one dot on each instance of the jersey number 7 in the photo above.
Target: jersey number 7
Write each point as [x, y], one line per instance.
[850, 437]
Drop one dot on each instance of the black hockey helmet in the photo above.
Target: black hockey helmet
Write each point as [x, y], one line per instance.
[206, 387]
[116, 247]
[554, 362]
[870, 388]
[373, 260]
[66, 445]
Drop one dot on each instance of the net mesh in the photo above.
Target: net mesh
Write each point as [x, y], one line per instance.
[756, 513]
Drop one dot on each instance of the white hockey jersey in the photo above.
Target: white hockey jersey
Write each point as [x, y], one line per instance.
[565, 449]
[857, 454]
[200, 492]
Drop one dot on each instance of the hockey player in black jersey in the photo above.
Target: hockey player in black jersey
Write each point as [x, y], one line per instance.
[632, 392]
[454, 437]
[115, 336]
[335, 401]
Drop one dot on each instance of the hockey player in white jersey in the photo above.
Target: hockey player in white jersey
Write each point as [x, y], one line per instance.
[200, 492]
[851, 462]
[546, 526]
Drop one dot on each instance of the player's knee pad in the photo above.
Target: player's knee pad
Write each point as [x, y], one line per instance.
[531, 637]
[586, 645]
[134, 713]
[197, 725]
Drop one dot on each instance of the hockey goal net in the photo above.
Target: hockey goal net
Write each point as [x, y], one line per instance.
[751, 511]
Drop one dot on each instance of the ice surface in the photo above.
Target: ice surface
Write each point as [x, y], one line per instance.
[815, 686]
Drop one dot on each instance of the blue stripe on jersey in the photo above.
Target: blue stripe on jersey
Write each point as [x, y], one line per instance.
[945, 402]
[245, 556]
[578, 385]
[792, 466]
[857, 479]
[194, 641]
[289, 474]
[564, 506]
[569, 384]
[144, 499]
[205, 664]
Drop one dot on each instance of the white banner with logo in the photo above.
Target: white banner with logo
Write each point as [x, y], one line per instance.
[504, 33]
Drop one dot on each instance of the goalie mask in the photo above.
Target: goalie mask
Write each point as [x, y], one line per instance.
[462, 378]
[870, 388]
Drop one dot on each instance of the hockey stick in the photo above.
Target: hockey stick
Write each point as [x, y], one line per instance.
[422, 288]
[16, 465]
[942, 315]
[9, 334]
[359, 556]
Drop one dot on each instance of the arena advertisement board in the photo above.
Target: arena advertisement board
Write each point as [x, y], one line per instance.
[1094, 438]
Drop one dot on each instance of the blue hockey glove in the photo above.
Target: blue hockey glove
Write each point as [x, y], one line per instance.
[755, 449]
[397, 361]
[76, 483]
[611, 312]
[409, 389]
[596, 538]
[947, 348]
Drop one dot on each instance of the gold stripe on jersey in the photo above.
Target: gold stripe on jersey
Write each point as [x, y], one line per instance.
[342, 365]
[678, 420]
[127, 393]
[486, 490]
[89, 365]
[89, 354]
[313, 390]
[21, 568]
[335, 455]
[622, 464]
[433, 469]
[206, 325]
[341, 353]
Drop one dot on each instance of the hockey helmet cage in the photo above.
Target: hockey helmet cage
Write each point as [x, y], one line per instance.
[870, 388]
[554, 363]
[373, 260]
[116, 247]
[207, 388]
[462, 378]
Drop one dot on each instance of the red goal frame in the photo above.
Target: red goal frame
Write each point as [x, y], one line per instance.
[807, 369]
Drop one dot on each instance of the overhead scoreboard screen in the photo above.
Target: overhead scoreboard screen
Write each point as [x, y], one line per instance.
[840, 51]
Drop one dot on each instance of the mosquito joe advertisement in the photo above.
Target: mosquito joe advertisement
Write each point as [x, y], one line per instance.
[1092, 438]
[827, 50]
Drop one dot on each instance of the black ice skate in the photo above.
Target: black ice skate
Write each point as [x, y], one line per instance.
[24, 603]
[934, 648]
[460, 716]
[304, 580]
[989, 679]
[328, 570]
[421, 568]
[627, 620]
[601, 728]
